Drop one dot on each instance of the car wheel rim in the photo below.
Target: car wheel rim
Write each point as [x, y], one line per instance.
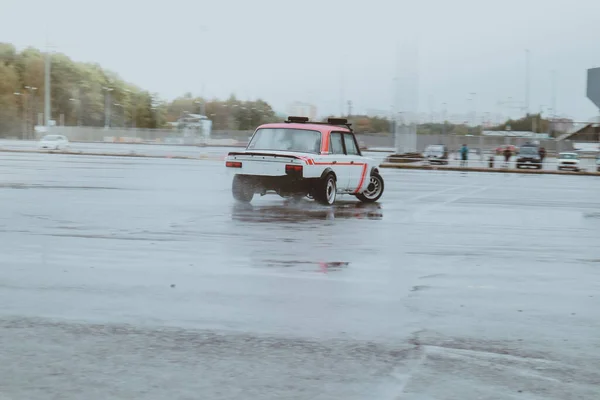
[374, 188]
[330, 191]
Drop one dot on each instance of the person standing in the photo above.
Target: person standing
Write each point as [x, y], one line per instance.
[542, 153]
[464, 155]
[507, 155]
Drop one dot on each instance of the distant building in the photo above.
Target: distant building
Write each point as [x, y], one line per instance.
[299, 109]
[590, 132]
[561, 124]
[523, 134]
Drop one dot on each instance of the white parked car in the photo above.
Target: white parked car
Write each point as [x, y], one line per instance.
[54, 142]
[568, 161]
[299, 158]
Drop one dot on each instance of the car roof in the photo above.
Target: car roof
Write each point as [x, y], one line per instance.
[305, 126]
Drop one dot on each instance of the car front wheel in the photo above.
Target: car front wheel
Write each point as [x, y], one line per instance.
[241, 189]
[374, 191]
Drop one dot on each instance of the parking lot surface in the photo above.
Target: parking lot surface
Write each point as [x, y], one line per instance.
[131, 278]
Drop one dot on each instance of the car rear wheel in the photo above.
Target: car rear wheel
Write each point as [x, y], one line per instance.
[326, 190]
[241, 189]
[374, 191]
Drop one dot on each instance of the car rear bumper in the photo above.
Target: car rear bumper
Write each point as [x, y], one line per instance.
[568, 166]
[281, 184]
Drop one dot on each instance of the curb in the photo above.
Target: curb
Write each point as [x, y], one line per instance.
[205, 157]
[490, 170]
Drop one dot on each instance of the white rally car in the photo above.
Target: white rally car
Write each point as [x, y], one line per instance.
[299, 158]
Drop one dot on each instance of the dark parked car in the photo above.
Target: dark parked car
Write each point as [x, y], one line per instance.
[529, 156]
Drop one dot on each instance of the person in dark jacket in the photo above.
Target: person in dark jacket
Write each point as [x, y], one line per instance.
[507, 155]
[542, 153]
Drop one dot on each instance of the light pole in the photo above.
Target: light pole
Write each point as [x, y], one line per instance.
[122, 110]
[23, 123]
[107, 108]
[32, 107]
[474, 110]
[47, 89]
[527, 57]
[444, 117]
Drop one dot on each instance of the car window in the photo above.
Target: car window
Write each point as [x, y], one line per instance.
[284, 139]
[528, 150]
[569, 156]
[336, 146]
[351, 148]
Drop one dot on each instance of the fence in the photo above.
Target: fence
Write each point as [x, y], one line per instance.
[371, 140]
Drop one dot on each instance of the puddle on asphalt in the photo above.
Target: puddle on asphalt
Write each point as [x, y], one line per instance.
[37, 186]
[110, 237]
[305, 210]
[319, 266]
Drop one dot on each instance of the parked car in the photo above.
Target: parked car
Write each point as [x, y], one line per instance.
[54, 142]
[529, 156]
[568, 160]
[436, 154]
[300, 158]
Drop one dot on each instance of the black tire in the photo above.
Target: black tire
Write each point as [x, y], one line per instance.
[374, 190]
[241, 189]
[325, 191]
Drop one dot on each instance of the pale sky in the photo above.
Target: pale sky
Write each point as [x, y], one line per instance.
[323, 51]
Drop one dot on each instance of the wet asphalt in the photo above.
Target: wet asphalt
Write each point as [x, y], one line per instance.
[141, 278]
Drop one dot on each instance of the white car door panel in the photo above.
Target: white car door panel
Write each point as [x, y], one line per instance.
[340, 164]
[357, 169]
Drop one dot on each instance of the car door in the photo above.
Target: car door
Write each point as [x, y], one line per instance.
[339, 160]
[358, 167]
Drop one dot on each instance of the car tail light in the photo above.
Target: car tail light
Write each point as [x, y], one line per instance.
[293, 168]
[233, 164]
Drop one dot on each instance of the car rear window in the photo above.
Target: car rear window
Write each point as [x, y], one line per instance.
[286, 139]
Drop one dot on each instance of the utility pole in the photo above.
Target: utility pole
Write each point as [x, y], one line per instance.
[349, 108]
[342, 83]
[474, 104]
[107, 107]
[47, 89]
[31, 103]
[79, 107]
[553, 100]
[444, 111]
[527, 56]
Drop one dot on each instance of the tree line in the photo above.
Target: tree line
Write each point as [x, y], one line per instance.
[88, 95]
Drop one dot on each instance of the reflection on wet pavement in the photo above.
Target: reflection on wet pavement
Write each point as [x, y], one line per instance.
[305, 210]
[461, 286]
